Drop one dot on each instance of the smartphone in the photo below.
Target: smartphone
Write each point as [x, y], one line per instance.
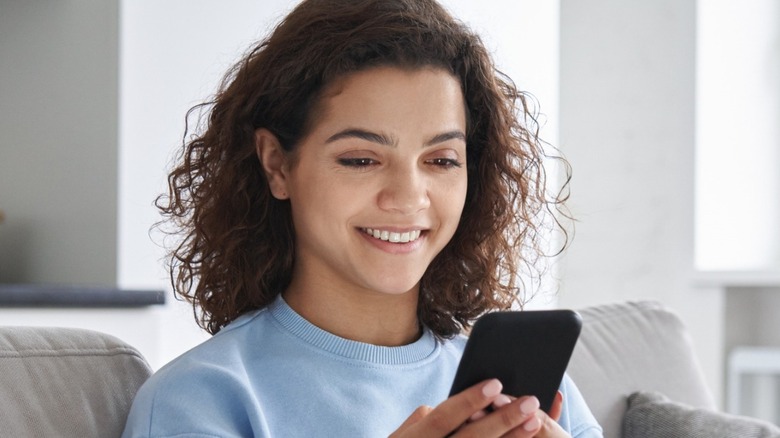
[528, 351]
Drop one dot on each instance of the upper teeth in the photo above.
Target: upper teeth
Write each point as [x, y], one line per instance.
[390, 236]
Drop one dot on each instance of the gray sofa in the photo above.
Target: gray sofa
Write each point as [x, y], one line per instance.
[633, 363]
[58, 382]
[630, 347]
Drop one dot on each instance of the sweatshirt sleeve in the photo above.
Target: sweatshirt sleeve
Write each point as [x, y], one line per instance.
[576, 417]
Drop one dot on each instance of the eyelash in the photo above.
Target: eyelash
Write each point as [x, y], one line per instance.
[446, 163]
[357, 162]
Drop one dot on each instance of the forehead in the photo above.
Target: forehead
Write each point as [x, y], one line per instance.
[384, 94]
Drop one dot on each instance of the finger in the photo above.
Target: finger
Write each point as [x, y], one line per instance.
[548, 427]
[557, 407]
[477, 415]
[511, 417]
[501, 400]
[454, 411]
[418, 414]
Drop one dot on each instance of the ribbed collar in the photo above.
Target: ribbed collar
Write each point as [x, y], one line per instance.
[421, 349]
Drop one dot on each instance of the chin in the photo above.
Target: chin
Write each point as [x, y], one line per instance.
[397, 289]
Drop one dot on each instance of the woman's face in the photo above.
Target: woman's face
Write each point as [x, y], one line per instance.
[378, 185]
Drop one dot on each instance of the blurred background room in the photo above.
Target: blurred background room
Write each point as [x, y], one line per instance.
[667, 110]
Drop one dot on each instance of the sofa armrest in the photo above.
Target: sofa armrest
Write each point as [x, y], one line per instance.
[66, 382]
[634, 346]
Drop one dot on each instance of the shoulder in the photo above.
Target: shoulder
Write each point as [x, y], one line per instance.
[226, 350]
[207, 382]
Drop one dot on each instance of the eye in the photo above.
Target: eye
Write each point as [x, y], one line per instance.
[357, 162]
[445, 163]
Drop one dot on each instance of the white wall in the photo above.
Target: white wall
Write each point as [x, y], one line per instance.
[738, 135]
[627, 126]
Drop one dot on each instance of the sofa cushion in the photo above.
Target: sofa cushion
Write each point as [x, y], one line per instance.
[66, 382]
[652, 415]
[629, 347]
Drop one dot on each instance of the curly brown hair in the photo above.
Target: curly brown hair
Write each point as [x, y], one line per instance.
[237, 242]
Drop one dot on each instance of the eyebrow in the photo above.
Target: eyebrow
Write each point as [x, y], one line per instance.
[386, 140]
[362, 134]
[446, 136]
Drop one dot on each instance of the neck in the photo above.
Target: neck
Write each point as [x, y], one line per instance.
[365, 316]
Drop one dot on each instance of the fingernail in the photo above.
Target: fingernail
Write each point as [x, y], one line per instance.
[529, 405]
[501, 400]
[532, 424]
[492, 388]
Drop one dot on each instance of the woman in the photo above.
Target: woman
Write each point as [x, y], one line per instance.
[362, 191]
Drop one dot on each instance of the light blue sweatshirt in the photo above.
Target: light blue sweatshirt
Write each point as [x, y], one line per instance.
[271, 373]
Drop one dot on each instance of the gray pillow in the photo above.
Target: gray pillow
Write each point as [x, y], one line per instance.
[652, 415]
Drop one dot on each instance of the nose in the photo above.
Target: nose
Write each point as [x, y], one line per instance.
[404, 191]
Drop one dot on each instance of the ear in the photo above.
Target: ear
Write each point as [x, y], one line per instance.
[274, 161]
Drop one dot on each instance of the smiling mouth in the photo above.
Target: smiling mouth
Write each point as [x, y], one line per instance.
[393, 237]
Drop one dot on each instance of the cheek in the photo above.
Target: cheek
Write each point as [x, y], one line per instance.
[459, 190]
[334, 196]
[452, 199]
[324, 203]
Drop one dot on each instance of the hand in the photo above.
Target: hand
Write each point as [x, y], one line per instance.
[458, 416]
[549, 427]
